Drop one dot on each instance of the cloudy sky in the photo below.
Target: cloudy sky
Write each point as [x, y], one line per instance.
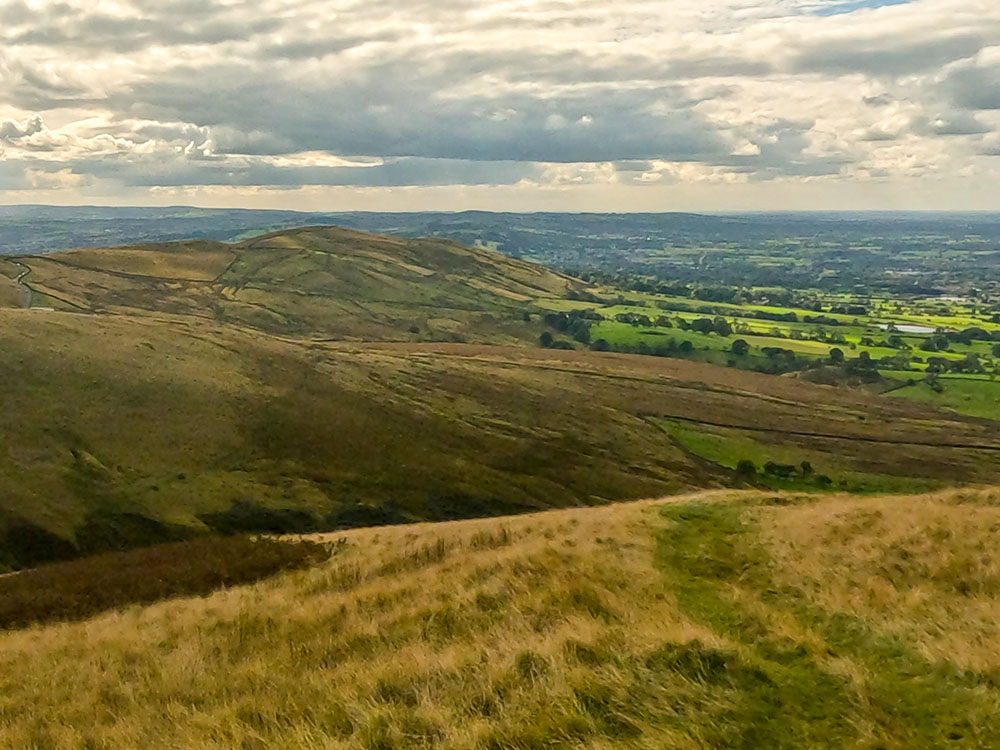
[524, 105]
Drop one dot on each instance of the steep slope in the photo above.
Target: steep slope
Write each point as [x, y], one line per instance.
[318, 282]
[122, 430]
[726, 620]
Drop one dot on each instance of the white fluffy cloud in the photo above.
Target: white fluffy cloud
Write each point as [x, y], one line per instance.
[615, 104]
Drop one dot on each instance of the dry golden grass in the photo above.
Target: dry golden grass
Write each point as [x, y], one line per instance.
[926, 567]
[11, 295]
[455, 635]
[196, 260]
[563, 629]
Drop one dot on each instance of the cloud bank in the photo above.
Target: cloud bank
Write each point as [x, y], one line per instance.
[639, 104]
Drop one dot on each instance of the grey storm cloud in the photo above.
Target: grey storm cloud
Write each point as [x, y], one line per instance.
[393, 173]
[889, 55]
[954, 123]
[161, 24]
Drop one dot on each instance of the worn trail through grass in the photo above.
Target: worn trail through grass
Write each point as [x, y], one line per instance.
[718, 620]
[807, 676]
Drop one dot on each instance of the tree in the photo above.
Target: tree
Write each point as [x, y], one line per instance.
[779, 470]
[746, 468]
[580, 330]
[685, 347]
[836, 355]
[601, 345]
[740, 347]
[545, 340]
[996, 350]
[703, 325]
[722, 327]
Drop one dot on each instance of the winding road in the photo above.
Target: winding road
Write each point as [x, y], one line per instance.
[20, 282]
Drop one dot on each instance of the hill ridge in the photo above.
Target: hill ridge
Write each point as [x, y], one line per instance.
[262, 283]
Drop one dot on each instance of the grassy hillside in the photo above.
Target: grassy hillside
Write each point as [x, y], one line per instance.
[318, 282]
[725, 620]
[135, 429]
[188, 387]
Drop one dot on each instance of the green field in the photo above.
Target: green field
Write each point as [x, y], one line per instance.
[845, 472]
[648, 323]
[975, 396]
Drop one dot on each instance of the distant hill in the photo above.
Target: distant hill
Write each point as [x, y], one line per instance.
[720, 620]
[321, 282]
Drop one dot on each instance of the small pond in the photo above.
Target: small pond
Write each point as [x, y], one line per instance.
[907, 328]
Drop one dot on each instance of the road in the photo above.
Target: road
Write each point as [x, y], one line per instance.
[20, 282]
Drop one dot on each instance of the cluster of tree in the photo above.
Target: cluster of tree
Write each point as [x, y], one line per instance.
[717, 325]
[746, 469]
[575, 323]
[548, 341]
[638, 319]
[822, 320]
[780, 361]
[936, 343]
[942, 341]
[849, 309]
[785, 317]
[669, 348]
[969, 364]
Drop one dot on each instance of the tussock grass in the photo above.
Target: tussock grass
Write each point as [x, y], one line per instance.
[925, 568]
[679, 624]
[531, 631]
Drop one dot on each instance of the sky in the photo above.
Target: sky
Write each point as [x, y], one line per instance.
[569, 105]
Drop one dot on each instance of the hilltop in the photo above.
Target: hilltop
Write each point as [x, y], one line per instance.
[720, 620]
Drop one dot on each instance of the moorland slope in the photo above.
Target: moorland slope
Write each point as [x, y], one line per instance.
[168, 398]
[125, 430]
[721, 620]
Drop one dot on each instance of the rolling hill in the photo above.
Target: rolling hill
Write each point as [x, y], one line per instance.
[318, 282]
[124, 430]
[719, 620]
[278, 385]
